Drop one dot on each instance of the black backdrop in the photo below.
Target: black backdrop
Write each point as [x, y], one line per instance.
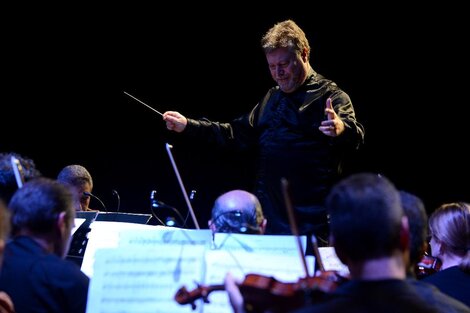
[66, 70]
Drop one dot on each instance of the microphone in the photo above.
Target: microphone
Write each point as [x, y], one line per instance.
[115, 193]
[89, 194]
[153, 199]
[155, 204]
[192, 195]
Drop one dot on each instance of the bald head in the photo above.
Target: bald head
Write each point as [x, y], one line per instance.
[237, 211]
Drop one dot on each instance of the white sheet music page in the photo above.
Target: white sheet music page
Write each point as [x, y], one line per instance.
[142, 280]
[78, 223]
[276, 244]
[284, 268]
[274, 256]
[147, 266]
[105, 235]
[331, 262]
[170, 235]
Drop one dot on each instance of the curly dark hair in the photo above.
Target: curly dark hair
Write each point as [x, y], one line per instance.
[8, 184]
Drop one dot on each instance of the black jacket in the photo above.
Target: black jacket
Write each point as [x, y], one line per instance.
[283, 130]
[39, 281]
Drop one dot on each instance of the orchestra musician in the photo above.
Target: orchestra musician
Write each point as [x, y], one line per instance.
[6, 305]
[237, 211]
[370, 234]
[8, 183]
[34, 272]
[79, 178]
[449, 227]
[415, 211]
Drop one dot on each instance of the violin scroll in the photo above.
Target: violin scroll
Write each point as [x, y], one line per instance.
[427, 266]
[183, 296]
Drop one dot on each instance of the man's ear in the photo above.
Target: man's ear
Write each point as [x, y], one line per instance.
[62, 234]
[262, 226]
[211, 225]
[304, 55]
[61, 221]
[64, 225]
[2, 247]
[404, 234]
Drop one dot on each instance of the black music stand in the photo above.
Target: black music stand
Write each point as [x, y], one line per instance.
[80, 237]
[123, 217]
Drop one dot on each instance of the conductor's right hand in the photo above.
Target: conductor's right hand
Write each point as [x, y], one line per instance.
[175, 121]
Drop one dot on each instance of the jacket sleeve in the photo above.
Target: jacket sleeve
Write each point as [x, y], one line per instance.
[237, 134]
[353, 135]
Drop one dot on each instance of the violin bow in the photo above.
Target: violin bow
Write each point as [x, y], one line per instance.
[293, 224]
[18, 170]
[180, 181]
[316, 251]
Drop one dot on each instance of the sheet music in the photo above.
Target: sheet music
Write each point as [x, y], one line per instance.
[149, 264]
[284, 268]
[78, 223]
[105, 235]
[276, 244]
[168, 235]
[331, 262]
[142, 280]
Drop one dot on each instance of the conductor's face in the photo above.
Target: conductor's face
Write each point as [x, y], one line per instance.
[287, 68]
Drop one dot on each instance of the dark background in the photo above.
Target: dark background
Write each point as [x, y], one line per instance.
[66, 70]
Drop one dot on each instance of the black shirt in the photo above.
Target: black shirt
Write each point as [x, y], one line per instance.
[390, 295]
[452, 281]
[38, 281]
[283, 131]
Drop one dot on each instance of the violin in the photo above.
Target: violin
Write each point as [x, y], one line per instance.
[427, 266]
[261, 293]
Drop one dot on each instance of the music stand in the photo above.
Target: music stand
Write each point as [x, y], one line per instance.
[123, 217]
[80, 237]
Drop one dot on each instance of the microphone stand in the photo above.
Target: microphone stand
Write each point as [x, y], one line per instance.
[89, 194]
[154, 204]
[118, 200]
